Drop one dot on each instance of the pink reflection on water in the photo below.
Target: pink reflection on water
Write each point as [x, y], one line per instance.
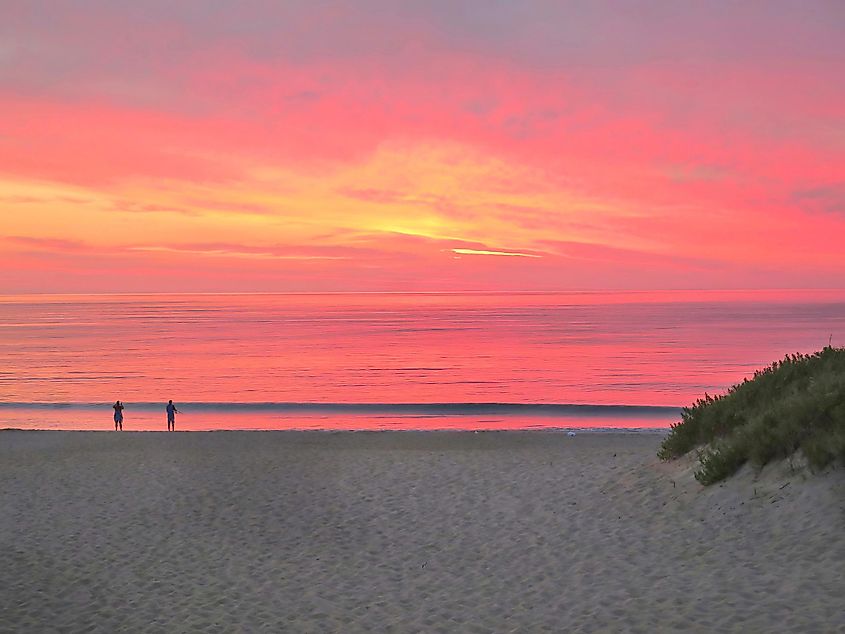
[630, 348]
[148, 421]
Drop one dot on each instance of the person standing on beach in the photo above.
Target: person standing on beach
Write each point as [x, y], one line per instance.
[118, 415]
[171, 416]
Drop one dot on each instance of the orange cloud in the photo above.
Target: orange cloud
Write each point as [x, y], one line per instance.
[577, 150]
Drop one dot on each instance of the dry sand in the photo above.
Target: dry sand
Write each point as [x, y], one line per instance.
[406, 532]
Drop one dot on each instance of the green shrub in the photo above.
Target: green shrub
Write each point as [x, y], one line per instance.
[796, 403]
[719, 461]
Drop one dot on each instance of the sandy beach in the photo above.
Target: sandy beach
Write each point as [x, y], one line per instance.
[406, 532]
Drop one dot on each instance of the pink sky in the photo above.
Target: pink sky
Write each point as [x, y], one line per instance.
[204, 146]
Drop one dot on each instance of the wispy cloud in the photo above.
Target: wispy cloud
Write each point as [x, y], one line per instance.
[515, 254]
[824, 198]
[256, 254]
[46, 244]
[592, 252]
[152, 208]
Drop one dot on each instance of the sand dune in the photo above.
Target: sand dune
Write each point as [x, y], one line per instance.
[406, 532]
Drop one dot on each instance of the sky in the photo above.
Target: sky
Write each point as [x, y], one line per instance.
[203, 145]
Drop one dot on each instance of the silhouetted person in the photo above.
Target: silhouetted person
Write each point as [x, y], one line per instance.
[118, 415]
[171, 416]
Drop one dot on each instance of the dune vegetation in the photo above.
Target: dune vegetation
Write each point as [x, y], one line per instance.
[794, 404]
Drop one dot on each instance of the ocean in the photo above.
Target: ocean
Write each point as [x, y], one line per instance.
[573, 360]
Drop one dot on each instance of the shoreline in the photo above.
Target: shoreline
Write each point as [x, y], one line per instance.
[354, 417]
[544, 430]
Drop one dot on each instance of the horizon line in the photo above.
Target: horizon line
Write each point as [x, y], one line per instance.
[434, 292]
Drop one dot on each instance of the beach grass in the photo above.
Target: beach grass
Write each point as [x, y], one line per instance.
[795, 404]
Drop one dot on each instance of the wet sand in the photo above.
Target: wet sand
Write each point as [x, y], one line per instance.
[406, 532]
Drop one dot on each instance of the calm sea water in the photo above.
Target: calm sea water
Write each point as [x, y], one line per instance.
[380, 361]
